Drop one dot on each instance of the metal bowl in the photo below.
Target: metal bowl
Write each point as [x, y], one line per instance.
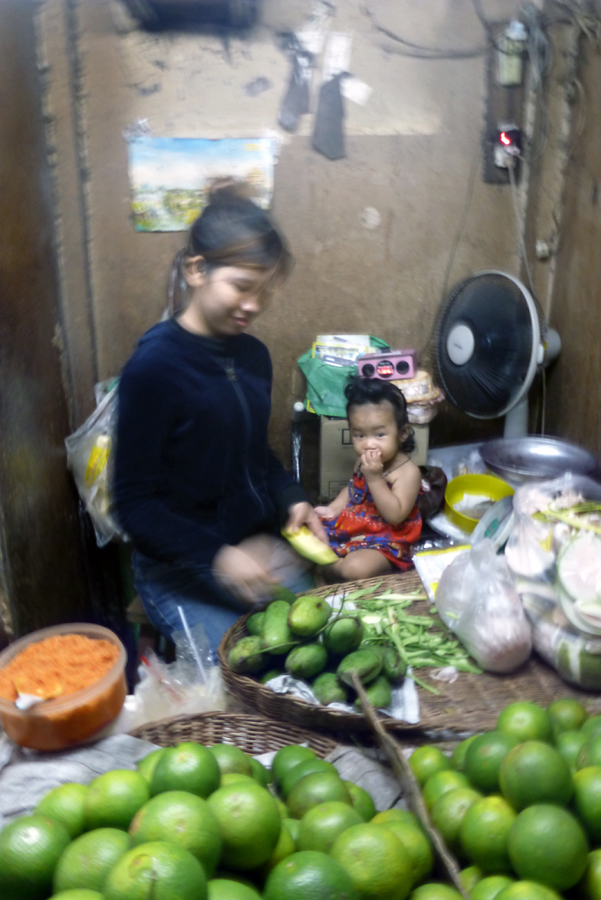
[522, 459]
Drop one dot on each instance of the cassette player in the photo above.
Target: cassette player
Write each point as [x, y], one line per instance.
[389, 366]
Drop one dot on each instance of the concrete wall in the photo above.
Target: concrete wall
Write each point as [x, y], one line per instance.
[413, 154]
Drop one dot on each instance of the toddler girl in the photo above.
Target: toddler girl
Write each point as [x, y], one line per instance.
[372, 523]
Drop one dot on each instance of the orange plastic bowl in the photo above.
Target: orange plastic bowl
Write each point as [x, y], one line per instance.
[60, 723]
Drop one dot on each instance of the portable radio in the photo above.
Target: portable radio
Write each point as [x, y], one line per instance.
[389, 366]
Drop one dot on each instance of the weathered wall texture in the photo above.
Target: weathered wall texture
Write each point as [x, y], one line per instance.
[42, 578]
[575, 382]
[412, 154]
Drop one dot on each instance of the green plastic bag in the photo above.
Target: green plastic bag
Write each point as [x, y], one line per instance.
[325, 382]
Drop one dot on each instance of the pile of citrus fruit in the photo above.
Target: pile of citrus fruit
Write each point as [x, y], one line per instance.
[520, 806]
[212, 823]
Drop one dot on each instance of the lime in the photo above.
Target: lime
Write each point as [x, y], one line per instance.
[224, 889]
[375, 859]
[435, 891]
[527, 890]
[484, 832]
[236, 778]
[147, 764]
[590, 753]
[483, 759]
[250, 824]
[592, 726]
[77, 894]
[30, 848]
[187, 767]
[590, 884]
[470, 877]
[260, 773]
[425, 761]
[458, 755]
[566, 714]
[89, 858]
[448, 812]
[569, 744]
[587, 800]
[309, 767]
[114, 798]
[361, 800]
[489, 887]
[418, 846]
[160, 870]
[404, 816]
[441, 782]
[184, 819]
[66, 804]
[309, 875]
[534, 772]
[231, 759]
[315, 789]
[321, 825]
[525, 721]
[547, 844]
[288, 757]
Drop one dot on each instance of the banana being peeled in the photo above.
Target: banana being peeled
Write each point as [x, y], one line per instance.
[308, 545]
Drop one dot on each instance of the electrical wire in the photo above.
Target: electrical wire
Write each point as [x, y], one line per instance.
[523, 254]
[418, 51]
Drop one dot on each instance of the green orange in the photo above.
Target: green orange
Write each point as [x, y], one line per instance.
[592, 726]
[308, 767]
[225, 889]
[231, 759]
[260, 773]
[418, 846]
[77, 894]
[490, 887]
[458, 754]
[569, 744]
[184, 819]
[527, 890]
[426, 760]
[435, 891]
[483, 759]
[250, 824]
[441, 782]
[587, 800]
[30, 848]
[89, 858]
[448, 812]
[377, 862]
[361, 800]
[187, 767]
[321, 825]
[484, 832]
[287, 757]
[147, 764]
[547, 844]
[590, 753]
[312, 790]
[66, 804]
[534, 772]
[470, 877]
[159, 869]
[309, 875]
[114, 798]
[566, 714]
[525, 721]
[590, 885]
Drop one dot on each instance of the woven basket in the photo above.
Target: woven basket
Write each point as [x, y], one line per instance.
[472, 703]
[253, 734]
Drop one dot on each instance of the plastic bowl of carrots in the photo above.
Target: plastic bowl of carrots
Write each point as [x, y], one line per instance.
[78, 671]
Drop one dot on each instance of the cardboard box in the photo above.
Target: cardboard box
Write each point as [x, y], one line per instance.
[337, 455]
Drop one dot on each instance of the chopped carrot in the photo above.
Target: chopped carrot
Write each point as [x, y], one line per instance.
[57, 666]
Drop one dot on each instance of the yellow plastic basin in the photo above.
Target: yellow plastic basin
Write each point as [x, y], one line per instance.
[479, 485]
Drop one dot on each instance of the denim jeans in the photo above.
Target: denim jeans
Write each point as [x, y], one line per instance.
[165, 586]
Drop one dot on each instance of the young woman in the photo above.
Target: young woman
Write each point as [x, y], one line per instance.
[373, 522]
[197, 488]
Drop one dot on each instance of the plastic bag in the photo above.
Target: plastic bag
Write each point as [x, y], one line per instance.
[190, 685]
[326, 382]
[477, 599]
[535, 542]
[89, 457]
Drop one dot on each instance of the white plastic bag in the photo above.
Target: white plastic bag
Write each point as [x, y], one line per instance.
[477, 599]
[89, 456]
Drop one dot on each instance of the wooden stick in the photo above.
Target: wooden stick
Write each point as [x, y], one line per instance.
[401, 768]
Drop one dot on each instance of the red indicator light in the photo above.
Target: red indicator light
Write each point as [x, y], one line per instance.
[505, 140]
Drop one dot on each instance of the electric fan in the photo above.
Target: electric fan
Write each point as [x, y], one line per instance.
[491, 338]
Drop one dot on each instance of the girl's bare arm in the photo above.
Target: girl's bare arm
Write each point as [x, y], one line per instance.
[395, 499]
